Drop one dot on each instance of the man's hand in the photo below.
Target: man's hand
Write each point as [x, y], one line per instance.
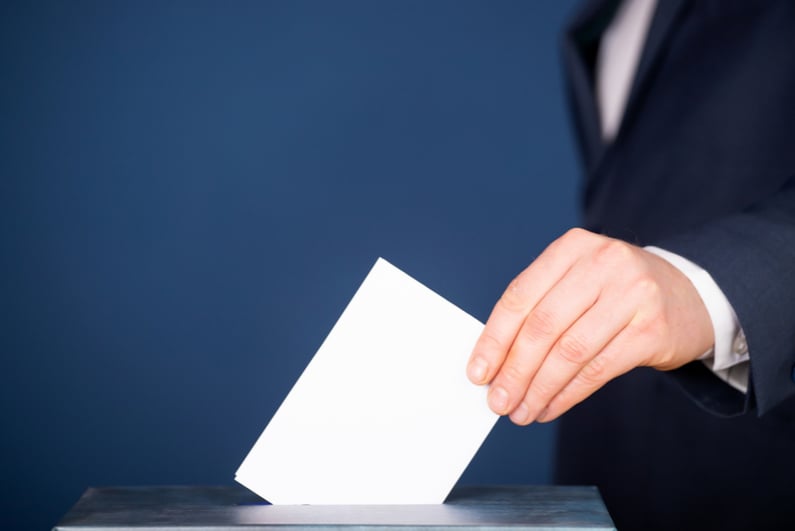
[589, 309]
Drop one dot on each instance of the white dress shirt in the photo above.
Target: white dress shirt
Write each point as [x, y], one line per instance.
[619, 53]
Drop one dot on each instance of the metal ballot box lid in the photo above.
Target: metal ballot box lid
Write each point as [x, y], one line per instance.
[217, 508]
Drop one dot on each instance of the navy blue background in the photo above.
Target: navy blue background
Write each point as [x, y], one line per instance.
[190, 193]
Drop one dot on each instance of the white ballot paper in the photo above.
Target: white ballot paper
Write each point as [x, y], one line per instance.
[384, 412]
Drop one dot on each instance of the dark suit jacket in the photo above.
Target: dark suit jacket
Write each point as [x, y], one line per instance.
[704, 166]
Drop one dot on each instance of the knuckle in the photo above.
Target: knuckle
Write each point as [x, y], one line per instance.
[649, 323]
[614, 253]
[576, 234]
[540, 325]
[667, 360]
[571, 238]
[655, 333]
[514, 298]
[542, 391]
[573, 349]
[514, 374]
[575, 238]
[489, 343]
[594, 373]
[648, 288]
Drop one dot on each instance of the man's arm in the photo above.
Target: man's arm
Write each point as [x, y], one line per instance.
[751, 256]
[591, 308]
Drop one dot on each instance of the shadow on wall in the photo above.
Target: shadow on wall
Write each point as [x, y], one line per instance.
[192, 191]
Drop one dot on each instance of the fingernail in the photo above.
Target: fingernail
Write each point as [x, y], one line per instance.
[519, 416]
[477, 370]
[498, 400]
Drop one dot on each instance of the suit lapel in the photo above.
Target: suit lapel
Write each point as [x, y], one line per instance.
[580, 46]
[663, 23]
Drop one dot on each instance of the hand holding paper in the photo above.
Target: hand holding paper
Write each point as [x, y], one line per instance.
[384, 413]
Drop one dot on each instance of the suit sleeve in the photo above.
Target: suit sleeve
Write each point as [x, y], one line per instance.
[751, 256]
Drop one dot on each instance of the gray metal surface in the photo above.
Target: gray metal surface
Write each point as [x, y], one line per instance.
[234, 508]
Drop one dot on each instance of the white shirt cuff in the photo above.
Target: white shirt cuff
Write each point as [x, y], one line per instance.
[728, 359]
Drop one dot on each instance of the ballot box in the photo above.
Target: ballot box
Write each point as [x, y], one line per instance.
[220, 508]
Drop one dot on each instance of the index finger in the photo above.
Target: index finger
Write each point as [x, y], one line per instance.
[521, 296]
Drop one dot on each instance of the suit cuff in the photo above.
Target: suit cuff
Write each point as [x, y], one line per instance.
[728, 358]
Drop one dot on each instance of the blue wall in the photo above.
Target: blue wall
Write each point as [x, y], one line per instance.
[190, 192]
